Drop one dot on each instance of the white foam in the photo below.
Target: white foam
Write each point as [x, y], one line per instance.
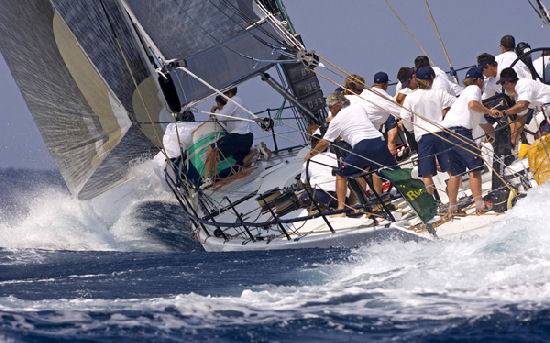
[58, 221]
[395, 280]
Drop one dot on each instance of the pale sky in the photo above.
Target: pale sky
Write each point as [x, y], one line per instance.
[363, 36]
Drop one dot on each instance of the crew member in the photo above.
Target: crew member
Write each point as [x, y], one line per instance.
[508, 56]
[351, 124]
[441, 80]
[465, 115]
[318, 172]
[425, 108]
[381, 110]
[407, 79]
[528, 94]
[239, 140]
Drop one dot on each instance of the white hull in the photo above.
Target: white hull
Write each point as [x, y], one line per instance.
[315, 233]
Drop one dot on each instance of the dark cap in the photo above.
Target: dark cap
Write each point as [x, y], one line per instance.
[474, 73]
[405, 74]
[381, 77]
[508, 74]
[485, 60]
[508, 42]
[425, 73]
[186, 116]
[421, 61]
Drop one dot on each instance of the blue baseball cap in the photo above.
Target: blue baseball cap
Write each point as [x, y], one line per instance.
[474, 73]
[381, 77]
[425, 73]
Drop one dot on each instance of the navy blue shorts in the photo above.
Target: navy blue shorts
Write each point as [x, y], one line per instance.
[461, 159]
[430, 148]
[369, 153]
[236, 145]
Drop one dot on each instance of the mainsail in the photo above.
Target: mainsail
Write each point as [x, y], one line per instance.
[221, 41]
[86, 70]
[85, 81]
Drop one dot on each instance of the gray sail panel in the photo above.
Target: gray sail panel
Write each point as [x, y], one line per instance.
[213, 37]
[83, 100]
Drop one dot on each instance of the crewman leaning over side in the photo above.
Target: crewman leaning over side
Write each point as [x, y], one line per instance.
[369, 151]
[381, 110]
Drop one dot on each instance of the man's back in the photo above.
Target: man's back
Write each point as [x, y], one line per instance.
[319, 172]
[427, 107]
[506, 59]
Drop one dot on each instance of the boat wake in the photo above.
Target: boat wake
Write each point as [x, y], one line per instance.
[37, 212]
[497, 285]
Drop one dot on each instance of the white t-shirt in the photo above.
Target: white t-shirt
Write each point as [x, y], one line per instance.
[320, 175]
[352, 125]
[490, 87]
[429, 103]
[536, 92]
[460, 114]
[377, 106]
[230, 124]
[506, 59]
[443, 81]
[542, 66]
[170, 139]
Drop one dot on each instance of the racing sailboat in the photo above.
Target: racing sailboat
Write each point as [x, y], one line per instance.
[101, 76]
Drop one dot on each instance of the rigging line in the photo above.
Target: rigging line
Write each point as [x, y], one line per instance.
[458, 137]
[248, 19]
[406, 28]
[221, 43]
[246, 28]
[280, 27]
[439, 37]
[212, 88]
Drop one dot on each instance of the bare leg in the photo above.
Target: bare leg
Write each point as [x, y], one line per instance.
[429, 183]
[475, 185]
[377, 183]
[517, 128]
[211, 163]
[452, 192]
[341, 190]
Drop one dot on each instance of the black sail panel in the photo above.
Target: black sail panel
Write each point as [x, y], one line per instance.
[217, 39]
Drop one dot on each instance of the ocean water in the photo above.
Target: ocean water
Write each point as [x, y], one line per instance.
[125, 269]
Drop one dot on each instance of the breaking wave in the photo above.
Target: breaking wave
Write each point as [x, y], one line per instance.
[36, 211]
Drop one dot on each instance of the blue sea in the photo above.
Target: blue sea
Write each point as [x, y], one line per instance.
[124, 268]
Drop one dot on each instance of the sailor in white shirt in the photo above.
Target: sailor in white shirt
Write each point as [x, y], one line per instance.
[528, 94]
[489, 67]
[239, 139]
[508, 56]
[441, 80]
[407, 80]
[379, 107]
[177, 138]
[376, 102]
[318, 173]
[466, 114]
[542, 66]
[351, 124]
[431, 104]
